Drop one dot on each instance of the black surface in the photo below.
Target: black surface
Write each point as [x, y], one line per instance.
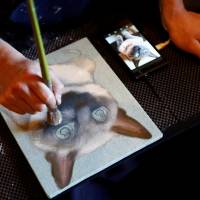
[170, 96]
[170, 170]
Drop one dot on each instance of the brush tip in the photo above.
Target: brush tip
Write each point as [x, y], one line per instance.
[54, 117]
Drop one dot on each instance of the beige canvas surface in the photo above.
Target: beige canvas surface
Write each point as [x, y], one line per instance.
[113, 151]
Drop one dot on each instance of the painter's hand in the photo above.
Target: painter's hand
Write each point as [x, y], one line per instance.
[24, 91]
[183, 28]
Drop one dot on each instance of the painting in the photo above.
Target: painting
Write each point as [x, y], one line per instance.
[90, 117]
[96, 117]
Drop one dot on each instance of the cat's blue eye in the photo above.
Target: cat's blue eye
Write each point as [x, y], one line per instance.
[100, 114]
[66, 131]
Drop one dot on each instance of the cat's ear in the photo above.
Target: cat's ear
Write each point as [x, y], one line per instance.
[86, 63]
[126, 125]
[61, 167]
[83, 68]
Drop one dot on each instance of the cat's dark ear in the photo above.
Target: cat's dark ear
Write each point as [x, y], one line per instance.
[61, 167]
[128, 126]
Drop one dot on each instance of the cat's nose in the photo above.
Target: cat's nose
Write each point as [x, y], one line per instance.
[136, 52]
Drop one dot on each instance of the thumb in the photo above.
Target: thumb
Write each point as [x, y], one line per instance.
[195, 48]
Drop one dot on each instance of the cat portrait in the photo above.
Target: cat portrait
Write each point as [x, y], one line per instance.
[91, 116]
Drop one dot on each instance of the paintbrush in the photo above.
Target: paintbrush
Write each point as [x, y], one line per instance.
[54, 116]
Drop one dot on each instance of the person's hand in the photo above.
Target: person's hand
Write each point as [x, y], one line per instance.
[22, 89]
[183, 27]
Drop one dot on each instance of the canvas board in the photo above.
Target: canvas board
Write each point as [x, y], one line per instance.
[104, 156]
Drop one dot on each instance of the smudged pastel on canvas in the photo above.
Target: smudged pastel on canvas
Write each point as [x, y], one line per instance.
[91, 116]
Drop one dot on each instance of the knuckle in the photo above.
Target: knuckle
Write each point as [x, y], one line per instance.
[32, 69]
[18, 87]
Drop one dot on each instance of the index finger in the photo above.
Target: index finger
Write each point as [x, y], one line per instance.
[43, 93]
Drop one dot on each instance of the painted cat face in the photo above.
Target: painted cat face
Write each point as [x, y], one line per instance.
[90, 118]
[85, 115]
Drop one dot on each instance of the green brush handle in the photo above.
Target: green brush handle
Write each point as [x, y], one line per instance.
[39, 43]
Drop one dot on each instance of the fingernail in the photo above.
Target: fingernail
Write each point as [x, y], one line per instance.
[58, 99]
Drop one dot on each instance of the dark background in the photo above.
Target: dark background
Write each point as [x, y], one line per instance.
[170, 96]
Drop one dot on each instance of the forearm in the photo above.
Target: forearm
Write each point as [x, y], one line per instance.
[172, 5]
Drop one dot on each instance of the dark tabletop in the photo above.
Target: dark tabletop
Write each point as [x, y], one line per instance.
[170, 95]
